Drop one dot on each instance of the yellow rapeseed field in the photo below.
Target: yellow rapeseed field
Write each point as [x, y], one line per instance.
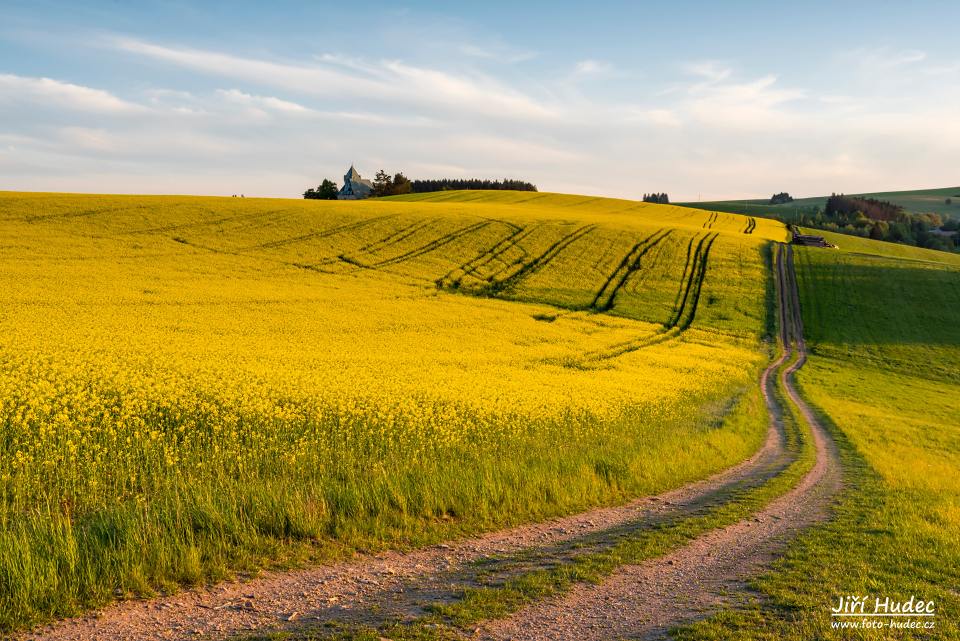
[191, 386]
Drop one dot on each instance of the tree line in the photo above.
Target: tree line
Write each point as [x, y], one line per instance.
[844, 209]
[445, 184]
[781, 199]
[386, 185]
[662, 199]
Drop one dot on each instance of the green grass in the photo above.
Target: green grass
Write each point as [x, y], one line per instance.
[885, 376]
[883, 250]
[915, 201]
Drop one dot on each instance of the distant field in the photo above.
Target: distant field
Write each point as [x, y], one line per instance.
[883, 325]
[920, 201]
[196, 386]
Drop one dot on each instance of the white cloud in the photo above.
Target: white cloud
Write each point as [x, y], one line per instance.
[259, 125]
[266, 102]
[54, 93]
[884, 59]
[752, 104]
[592, 68]
[947, 69]
[497, 52]
[658, 117]
[492, 147]
[711, 71]
[340, 77]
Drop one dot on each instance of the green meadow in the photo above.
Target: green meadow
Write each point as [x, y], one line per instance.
[917, 201]
[883, 327]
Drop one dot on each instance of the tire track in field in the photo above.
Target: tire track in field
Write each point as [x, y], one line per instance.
[683, 276]
[545, 258]
[688, 309]
[216, 221]
[422, 250]
[751, 225]
[685, 307]
[39, 218]
[396, 237]
[711, 219]
[630, 264]
[646, 600]
[474, 266]
[323, 233]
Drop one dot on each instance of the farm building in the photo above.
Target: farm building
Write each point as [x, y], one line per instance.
[808, 240]
[354, 187]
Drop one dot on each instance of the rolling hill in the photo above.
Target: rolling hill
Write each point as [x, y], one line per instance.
[918, 201]
[218, 383]
[195, 387]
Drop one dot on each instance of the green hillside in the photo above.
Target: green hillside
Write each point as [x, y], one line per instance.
[917, 201]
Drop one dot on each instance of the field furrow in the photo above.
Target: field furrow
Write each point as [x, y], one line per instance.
[606, 296]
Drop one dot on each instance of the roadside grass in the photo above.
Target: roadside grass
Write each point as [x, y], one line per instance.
[884, 377]
[499, 601]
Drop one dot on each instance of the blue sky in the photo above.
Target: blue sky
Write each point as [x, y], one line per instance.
[698, 99]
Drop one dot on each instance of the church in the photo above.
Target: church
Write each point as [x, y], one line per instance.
[354, 187]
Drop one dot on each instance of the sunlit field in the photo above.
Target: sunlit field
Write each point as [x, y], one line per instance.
[191, 387]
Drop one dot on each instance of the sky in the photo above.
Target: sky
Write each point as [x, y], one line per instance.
[702, 100]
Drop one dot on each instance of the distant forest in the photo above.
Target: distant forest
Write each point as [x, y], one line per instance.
[445, 184]
[846, 209]
[881, 220]
[781, 199]
[662, 199]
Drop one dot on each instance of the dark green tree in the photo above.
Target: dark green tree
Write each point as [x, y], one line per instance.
[382, 184]
[327, 190]
[781, 198]
[401, 185]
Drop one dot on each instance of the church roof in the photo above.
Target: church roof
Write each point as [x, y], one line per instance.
[354, 186]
